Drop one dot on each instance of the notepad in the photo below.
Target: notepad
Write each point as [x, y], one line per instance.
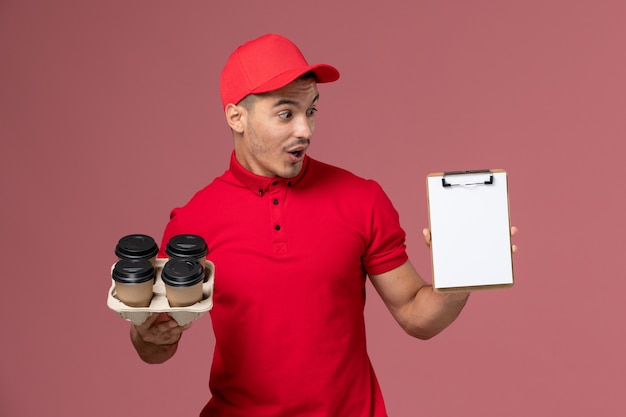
[470, 230]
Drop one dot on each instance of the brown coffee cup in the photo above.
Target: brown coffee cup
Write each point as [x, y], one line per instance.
[183, 279]
[137, 246]
[134, 280]
[187, 246]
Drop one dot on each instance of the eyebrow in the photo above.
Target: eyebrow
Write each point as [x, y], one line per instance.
[289, 101]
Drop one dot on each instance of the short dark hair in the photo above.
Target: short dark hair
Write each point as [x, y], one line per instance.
[248, 100]
[307, 76]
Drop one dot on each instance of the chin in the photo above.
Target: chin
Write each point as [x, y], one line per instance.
[292, 171]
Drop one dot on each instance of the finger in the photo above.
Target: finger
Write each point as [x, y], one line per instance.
[147, 323]
[513, 230]
[514, 248]
[167, 326]
[426, 233]
[165, 338]
[161, 333]
[176, 328]
[163, 317]
[174, 334]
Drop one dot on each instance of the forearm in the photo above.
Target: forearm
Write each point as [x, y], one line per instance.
[430, 312]
[420, 310]
[151, 352]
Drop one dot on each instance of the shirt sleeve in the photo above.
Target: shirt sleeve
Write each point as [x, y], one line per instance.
[387, 239]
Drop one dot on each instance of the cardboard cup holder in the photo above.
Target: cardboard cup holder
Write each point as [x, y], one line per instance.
[159, 303]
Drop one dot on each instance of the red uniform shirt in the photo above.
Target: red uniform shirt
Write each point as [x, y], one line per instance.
[291, 258]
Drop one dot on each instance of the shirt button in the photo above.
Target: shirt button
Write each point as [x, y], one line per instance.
[260, 191]
[275, 202]
[275, 182]
[277, 227]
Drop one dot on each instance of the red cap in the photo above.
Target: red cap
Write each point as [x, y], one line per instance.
[266, 64]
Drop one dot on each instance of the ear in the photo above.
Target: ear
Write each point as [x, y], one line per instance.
[234, 116]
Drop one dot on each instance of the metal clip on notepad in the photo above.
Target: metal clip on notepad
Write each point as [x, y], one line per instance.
[472, 177]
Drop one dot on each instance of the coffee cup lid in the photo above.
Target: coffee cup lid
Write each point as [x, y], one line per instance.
[182, 272]
[186, 246]
[136, 246]
[133, 271]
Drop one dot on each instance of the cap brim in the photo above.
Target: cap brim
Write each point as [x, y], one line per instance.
[324, 73]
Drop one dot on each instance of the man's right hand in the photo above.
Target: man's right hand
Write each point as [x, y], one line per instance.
[156, 339]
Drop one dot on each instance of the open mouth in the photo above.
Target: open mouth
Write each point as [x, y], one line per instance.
[297, 151]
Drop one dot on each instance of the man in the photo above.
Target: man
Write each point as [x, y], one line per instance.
[293, 241]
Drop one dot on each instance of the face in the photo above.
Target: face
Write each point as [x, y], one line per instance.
[276, 129]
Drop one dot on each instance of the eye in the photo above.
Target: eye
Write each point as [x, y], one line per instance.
[285, 115]
[311, 111]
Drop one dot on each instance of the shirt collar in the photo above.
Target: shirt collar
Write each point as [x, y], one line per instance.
[259, 184]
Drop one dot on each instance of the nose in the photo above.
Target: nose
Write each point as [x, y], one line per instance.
[304, 127]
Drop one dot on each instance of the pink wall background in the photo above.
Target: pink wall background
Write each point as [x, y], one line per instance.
[110, 116]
